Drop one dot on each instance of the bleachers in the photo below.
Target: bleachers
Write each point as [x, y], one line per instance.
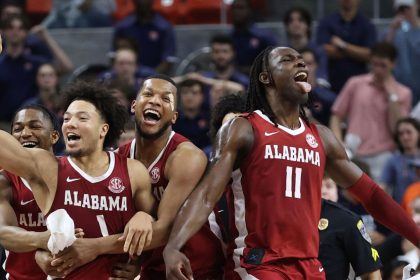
[90, 46]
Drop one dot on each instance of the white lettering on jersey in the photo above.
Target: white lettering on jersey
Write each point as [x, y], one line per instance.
[28, 221]
[95, 202]
[292, 154]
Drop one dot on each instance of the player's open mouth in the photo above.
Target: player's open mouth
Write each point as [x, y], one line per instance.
[71, 137]
[151, 116]
[29, 144]
[301, 79]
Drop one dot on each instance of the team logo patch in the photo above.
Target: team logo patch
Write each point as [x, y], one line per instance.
[155, 175]
[310, 139]
[323, 224]
[116, 185]
[361, 227]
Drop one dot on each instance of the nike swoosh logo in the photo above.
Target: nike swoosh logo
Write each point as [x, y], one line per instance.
[321, 269]
[271, 133]
[69, 180]
[26, 202]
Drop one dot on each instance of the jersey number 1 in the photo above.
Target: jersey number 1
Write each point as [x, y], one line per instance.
[289, 180]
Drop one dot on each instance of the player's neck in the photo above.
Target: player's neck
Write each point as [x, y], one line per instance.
[148, 149]
[94, 164]
[287, 116]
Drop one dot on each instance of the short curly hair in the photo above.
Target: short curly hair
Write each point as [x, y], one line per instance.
[114, 114]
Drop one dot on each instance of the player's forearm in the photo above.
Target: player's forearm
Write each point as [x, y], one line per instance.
[19, 240]
[109, 245]
[374, 275]
[13, 157]
[384, 209]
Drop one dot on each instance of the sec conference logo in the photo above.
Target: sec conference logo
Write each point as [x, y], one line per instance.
[116, 185]
[154, 175]
[310, 139]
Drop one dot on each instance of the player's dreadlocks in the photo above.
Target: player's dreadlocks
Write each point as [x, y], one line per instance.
[256, 91]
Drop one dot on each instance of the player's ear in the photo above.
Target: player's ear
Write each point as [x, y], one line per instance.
[174, 117]
[133, 107]
[104, 130]
[265, 78]
[54, 137]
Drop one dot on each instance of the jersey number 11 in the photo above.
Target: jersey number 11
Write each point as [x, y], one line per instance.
[289, 180]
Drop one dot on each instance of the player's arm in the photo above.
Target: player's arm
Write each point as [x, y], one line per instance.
[233, 143]
[12, 237]
[37, 166]
[184, 169]
[374, 275]
[379, 204]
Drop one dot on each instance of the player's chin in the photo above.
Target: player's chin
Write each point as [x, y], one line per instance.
[73, 152]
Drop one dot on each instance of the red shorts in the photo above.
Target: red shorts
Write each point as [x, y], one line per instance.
[291, 269]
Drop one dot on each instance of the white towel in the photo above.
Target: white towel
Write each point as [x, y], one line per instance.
[61, 227]
[406, 273]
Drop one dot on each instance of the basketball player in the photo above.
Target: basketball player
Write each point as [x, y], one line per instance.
[277, 160]
[100, 190]
[22, 225]
[175, 166]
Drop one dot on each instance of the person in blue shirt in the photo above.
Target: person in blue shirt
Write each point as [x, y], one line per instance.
[321, 98]
[34, 45]
[223, 61]
[154, 36]
[248, 40]
[404, 33]
[126, 69]
[298, 24]
[346, 37]
[397, 174]
[193, 120]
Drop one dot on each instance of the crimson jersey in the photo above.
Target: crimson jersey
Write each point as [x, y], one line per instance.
[204, 249]
[22, 266]
[275, 196]
[101, 206]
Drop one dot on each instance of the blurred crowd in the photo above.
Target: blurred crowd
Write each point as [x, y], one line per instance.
[364, 84]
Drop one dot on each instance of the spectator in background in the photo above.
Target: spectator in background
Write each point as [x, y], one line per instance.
[371, 104]
[248, 40]
[397, 174]
[394, 270]
[33, 45]
[223, 61]
[321, 98]
[404, 32]
[154, 36]
[344, 241]
[80, 14]
[298, 23]
[413, 190]
[48, 89]
[193, 121]
[18, 69]
[126, 69]
[347, 37]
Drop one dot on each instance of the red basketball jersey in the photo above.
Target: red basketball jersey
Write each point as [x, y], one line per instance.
[101, 206]
[275, 196]
[204, 249]
[22, 266]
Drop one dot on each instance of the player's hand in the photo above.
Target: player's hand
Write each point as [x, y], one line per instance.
[177, 265]
[79, 233]
[137, 233]
[125, 271]
[43, 259]
[82, 251]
